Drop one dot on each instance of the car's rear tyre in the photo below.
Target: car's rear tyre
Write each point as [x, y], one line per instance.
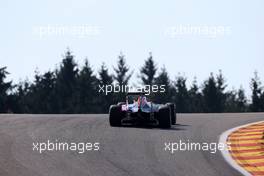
[164, 117]
[173, 113]
[115, 115]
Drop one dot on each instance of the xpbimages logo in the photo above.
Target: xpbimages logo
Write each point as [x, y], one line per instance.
[213, 147]
[80, 147]
[116, 88]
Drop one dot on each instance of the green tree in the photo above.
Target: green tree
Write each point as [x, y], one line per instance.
[231, 104]
[236, 101]
[148, 71]
[181, 92]
[121, 76]
[121, 72]
[256, 105]
[241, 100]
[195, 98]
[221, 96]
[43, 93]
[104, 77]
[214, 97]
[210, 95]
[22, 98]
[262, 102]
[106, 80]
[4, 88]
[66, 84]
[86, 83]
[163, 80]
[37, 97]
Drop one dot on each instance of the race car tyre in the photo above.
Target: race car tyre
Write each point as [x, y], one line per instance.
[115, 115]
[173, 112]
[164, 117]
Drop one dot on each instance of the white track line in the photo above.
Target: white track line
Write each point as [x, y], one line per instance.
[223, 138]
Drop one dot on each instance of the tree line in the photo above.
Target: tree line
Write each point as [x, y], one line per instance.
[73, 89]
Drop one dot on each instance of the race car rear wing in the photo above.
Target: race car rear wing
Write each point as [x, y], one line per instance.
[136, 93]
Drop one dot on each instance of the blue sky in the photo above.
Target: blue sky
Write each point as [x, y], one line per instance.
[136, 28]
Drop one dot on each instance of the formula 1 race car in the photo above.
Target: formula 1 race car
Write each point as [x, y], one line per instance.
[137, 110]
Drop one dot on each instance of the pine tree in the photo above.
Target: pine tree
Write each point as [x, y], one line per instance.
[122, 77]
[121, 72]
[256, 94]
[236, 101]
[210, 95]
[38, 97]
[66, 84]
[45, 92]
[231, 104]
[148, 71]
[214, 98]
[221, 97]
[105, 79]
[23, 98]
[262, 102]
[4, 88]
[181, 92]
[241, 100]
[87, 83]
[163, 80]
[195, 98]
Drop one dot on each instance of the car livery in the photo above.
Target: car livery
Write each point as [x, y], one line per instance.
[137, 110]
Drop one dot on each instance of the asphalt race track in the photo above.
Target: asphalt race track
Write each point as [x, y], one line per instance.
[123, 151]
